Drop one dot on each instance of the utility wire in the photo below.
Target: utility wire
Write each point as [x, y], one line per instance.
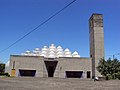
[52, 16]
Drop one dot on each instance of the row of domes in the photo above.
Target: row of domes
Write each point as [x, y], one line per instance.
[51, 52]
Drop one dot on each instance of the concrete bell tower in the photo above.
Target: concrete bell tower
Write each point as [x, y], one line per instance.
[96, 41]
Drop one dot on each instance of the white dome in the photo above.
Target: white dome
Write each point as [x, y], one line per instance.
[44, 49]
[75, 54]
[36, 52]
[25, 54]
[43, 52]
[28, 51]
[52, 49]
[59, 50]
[59, 47]
[68, 53]
[52, 46]
[37, 49]
[51, 52]
[66, 50]
[59, 53]
[43, 55]
[30, 54]
[51, 56]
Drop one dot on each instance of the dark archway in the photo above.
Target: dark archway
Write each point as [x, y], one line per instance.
[51, 66]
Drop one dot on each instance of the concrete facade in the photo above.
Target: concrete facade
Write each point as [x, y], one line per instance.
[38, 63]
[64, 67]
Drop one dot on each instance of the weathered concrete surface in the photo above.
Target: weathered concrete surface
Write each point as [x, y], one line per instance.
[37, 63]
[27, 83]
[96, 41]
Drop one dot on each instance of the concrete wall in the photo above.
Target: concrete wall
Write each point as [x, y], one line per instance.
[72, 64]
[37, 63]
[27, 63]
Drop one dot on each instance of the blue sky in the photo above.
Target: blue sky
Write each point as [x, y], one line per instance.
[70, 28]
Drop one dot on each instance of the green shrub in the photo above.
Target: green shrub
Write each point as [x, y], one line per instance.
[5, 74]
[109, 77]
[118, 75]
[114, 75]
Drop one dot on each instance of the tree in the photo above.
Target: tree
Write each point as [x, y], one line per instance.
[109, 68]
[102, 67]
[2, 68]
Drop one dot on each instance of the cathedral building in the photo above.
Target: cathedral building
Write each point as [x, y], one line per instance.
[54, 61]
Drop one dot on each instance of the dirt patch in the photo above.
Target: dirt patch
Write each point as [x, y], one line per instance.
[29, 83]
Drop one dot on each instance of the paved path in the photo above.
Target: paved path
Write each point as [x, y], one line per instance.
[25, 83]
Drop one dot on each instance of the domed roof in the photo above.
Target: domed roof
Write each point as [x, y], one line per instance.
[59, 50]
[52, 49]
[28, 51]
[52, 46]
[37, 49]
[51, 56]
[75, 53]
[45, 47]
[59, 53]
[59, 47]
[43, 55]
[66, 50]
[36, 52]
[43, 52]
[68, 53]
[51, 52]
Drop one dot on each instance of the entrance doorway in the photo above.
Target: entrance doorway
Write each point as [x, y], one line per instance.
[51, 66]
[50, 71]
